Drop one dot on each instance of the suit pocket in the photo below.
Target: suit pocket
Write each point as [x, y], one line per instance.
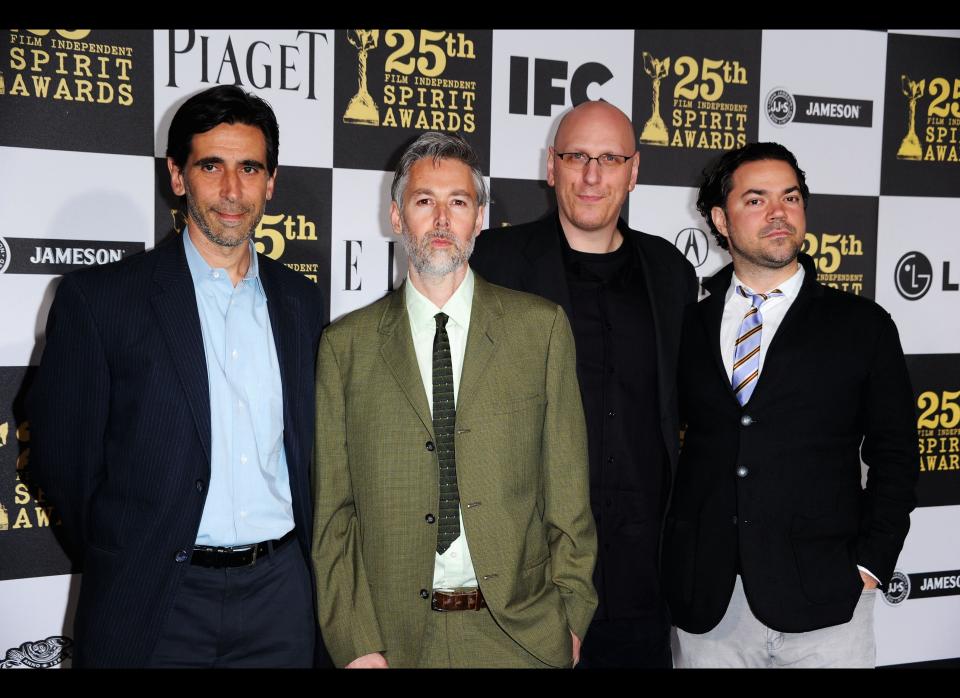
[824, 548]
[680, 559]
[516, 404]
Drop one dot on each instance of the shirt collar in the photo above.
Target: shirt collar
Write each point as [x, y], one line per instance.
[422, 310]
[201, 271]
[790, 287]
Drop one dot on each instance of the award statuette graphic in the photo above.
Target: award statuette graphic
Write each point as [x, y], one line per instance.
[362, 109]
[910, 147]
[654, 132]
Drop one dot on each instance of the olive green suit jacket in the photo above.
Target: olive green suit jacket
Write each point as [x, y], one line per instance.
[521, 468]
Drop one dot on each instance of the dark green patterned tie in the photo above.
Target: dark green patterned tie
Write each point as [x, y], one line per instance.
[444, 421]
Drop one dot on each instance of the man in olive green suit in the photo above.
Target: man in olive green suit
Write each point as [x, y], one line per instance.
[453, 524]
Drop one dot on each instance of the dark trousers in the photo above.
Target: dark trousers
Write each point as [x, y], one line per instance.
[634, 643]
[255, 616]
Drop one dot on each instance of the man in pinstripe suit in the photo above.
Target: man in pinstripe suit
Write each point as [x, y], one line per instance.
[173, 420]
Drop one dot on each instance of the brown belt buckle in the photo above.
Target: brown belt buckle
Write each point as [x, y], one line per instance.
[471, 600]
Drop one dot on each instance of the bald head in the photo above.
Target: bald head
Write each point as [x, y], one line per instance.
[597, 116]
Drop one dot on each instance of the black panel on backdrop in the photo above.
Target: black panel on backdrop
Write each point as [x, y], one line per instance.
[296, 224]
[67, 89]
[28, 524]
[842, 239]
[936, 385]
[390, 85]
[921, 117]
[695, 95]
[515, 201]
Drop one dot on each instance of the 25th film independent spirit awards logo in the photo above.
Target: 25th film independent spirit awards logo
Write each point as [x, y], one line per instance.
[936, 382]
[82, 77]
[695, 96]
[392, 84]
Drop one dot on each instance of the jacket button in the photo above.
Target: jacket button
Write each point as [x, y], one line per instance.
[199, 484]
[429, 518]
[746, 420]
[182, 556]
[742, 471]
[424, 594]
[429, 446]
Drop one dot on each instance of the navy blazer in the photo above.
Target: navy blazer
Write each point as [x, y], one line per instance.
[120, 419]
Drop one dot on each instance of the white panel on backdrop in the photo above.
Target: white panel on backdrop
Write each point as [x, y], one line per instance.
[918, 271]
[821, 95]
[671, 213]
[537, 76]
[60, 195]
[923, 629]
[362, 240]
[292, 69]
[34, 610]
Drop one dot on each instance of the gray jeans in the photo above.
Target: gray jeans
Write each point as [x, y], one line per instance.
[742, 641]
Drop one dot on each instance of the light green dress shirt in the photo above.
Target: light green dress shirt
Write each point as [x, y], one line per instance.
[453, 569]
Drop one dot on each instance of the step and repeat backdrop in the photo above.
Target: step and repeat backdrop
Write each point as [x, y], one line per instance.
[873, 117]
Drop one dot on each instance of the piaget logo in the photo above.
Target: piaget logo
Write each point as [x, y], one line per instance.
[829, 251]
[67, 65]
[932, 134]
[417, 90]
[700, 117]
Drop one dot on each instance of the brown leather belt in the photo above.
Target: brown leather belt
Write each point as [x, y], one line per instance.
[239, 556]
[461, 600]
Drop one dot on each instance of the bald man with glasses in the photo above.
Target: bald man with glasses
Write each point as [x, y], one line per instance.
[624, 292]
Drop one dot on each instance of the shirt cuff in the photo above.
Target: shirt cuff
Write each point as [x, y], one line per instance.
[864, 569]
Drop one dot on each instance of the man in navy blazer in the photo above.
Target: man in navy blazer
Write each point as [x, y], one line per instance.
[173, 417]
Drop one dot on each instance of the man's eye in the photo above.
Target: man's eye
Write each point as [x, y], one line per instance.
[609, 159]
[249, 169]
[577, 157]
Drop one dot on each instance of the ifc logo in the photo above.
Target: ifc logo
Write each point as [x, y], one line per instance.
[780, 106]
[913, 275]
[898, 589]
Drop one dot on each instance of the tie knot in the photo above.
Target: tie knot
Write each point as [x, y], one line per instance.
[441, 319]
[758, 299]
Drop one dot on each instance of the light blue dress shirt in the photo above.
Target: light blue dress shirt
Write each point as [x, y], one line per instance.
[248, 496]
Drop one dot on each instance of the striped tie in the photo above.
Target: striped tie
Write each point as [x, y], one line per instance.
[746, 354]
[444, 420]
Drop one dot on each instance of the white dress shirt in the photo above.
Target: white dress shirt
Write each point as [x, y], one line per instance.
[453, 569]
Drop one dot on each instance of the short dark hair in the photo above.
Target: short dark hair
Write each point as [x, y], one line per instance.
[223, 104]
[718, 178]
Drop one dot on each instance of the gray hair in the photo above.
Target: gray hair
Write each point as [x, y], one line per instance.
[439, 146]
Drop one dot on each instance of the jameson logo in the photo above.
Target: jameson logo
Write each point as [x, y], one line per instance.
[42, 256]
[783, 108]
[67, 65]
[700, 114]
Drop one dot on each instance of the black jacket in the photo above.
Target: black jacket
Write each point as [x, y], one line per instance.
[777, 482]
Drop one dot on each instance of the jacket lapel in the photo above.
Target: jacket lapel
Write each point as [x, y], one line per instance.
[397, 350]
[545, 271]
[486, 316]
[175, 303]
[711, 314]
[283, 312]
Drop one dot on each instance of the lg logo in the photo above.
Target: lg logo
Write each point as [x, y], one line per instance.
[913, 276]
[545, 92]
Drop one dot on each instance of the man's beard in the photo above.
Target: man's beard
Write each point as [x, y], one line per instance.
[218, 238]
[785, 256]
[423, 256]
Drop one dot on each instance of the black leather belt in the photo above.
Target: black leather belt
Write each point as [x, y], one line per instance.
[463, 600]
[238, 556]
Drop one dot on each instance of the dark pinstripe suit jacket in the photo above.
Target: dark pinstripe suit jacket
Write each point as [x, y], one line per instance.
[120, 417]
